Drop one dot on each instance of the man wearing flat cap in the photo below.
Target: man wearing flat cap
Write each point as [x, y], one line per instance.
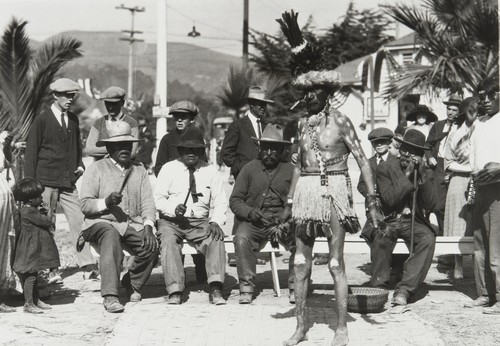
[185, 191]
[114, 99]
[395, 187]
[381, 139]
[54, 158]
[438, 136]
[117, 201]
[238, 147]
[258, 199]
[183, 113]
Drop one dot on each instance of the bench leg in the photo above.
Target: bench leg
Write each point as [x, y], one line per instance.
[274, 271]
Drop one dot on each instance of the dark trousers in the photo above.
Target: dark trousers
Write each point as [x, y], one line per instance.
[109, 240]
[249, 240]
[30, 287]
[441, 189]
[487, 240]
[171, 235]
[415, 268]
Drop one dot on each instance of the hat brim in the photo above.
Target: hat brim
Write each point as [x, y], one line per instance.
[269, 140]
[400, 140]
[194, 145]
[381, 137]
[116, 99]
[258, 99]
[116, 139]
[431, 117]
[452, 103]
[183, 112]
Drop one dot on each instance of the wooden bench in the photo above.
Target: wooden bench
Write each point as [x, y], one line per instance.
[352, 245]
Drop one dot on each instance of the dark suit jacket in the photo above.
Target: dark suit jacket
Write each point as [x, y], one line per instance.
[436, 135]
[51, 157]
[373, 164]
[238, 147]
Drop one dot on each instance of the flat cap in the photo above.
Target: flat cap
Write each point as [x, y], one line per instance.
[184, 107]
[113, 94]
[64, 85]
[380, 133]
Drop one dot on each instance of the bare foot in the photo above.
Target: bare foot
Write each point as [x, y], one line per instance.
[341, 338]
[297, 337]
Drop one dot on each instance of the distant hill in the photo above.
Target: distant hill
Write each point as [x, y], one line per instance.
[202, 69]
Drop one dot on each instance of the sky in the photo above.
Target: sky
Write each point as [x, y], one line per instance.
[220, 22]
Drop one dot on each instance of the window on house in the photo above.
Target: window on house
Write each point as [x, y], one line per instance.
[407, 58]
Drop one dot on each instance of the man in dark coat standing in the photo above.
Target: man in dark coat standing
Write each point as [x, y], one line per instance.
[238, 147]
[395, 186]
[436, 141]
[54, 158]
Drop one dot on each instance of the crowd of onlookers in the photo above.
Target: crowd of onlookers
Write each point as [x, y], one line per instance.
[449, 168]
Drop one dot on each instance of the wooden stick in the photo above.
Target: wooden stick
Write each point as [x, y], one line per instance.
[413, 209]
[125, 179]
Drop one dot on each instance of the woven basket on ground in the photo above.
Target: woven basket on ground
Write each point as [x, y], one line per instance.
[366, 299]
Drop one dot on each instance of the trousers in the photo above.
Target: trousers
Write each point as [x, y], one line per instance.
[171, 235]
[107, 237]
[249, 240]
[487, 240]
[415, 268]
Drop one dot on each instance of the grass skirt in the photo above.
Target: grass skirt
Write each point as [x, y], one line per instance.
[312, 203]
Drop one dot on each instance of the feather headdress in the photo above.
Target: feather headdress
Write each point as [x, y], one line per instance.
[306, 65]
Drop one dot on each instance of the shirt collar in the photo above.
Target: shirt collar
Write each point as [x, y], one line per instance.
[252, 117]
[119, 166]
[120, 116]
[56, 111]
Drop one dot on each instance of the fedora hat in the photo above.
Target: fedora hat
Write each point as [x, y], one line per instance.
[421, 109]
[272, 134]
[413, 138]
[258, 93]
[117, 131]
[191, 138]
[453, 100]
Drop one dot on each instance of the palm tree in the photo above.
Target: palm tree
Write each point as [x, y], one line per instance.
[234, 94]
[25, 76]
[458, 37]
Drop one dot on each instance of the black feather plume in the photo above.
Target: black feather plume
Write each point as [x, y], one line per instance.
[290, 28]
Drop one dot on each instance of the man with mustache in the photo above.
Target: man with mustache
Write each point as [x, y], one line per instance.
[54, 158]
[117, 201]
[259, 198]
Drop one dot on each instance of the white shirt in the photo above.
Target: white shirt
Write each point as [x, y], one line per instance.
[57, 113]
[485, 142]
[383, 157]
[120, 116]
[256, 124]
[442, 144]
[172, 186]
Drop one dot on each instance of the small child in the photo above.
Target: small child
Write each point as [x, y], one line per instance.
[35, 248]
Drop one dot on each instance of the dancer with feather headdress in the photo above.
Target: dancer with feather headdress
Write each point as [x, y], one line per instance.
[320, 196]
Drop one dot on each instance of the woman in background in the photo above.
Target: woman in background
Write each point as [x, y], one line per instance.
[458, 212]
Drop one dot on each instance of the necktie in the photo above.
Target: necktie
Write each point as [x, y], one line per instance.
[380, 159]
[259, 131]
[192, 185]
[63, 124]
[113, 119]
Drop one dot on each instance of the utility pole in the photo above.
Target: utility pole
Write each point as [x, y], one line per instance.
[245, 33]
[131, 41]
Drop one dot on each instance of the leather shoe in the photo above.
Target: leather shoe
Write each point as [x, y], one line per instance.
[174, 298]
[112, 304]
[32, 309]
[479, 302]
[55, 278]
[245, 298]
[43, 306]
[215, 297]
[399, 299]
[493, 310]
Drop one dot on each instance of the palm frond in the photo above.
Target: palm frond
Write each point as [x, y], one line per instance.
[15, 81]
[238, 82]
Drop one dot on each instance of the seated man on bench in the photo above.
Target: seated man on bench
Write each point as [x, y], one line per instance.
[258, 200]
[395, 185]
[185, 191]
[117, 202]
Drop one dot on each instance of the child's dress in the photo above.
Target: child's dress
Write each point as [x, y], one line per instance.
[35, 248]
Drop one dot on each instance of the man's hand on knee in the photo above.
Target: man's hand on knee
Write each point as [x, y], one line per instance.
[215, 231]
[149, 242]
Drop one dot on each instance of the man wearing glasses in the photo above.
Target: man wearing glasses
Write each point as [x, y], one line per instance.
[485, 163]
[395, 184]
[54, 157]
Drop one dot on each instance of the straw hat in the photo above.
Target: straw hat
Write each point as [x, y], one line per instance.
[118, 131]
